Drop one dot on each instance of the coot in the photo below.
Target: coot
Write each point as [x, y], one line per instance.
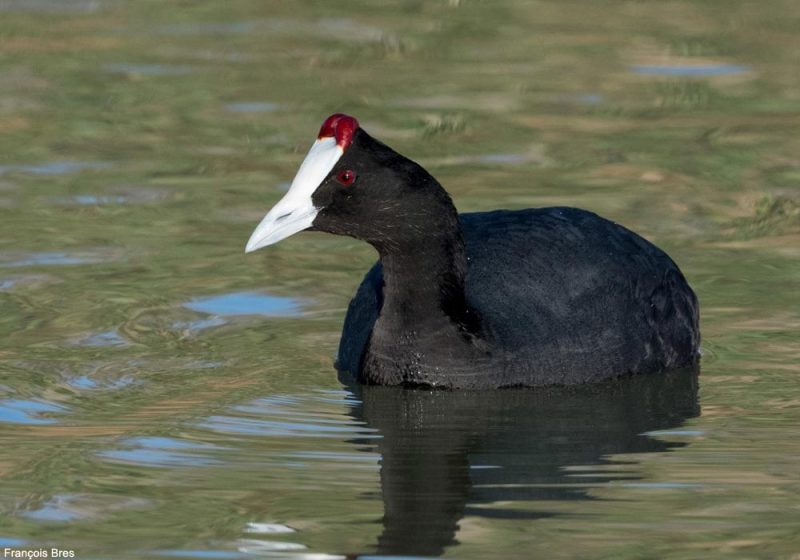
[547, 296]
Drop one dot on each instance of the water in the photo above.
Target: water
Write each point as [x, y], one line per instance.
[690, 70]
[164, 395]
[41, 259]
[244, 303]
[53, 167]
[148, 69]
[20, 411]
[252, 107]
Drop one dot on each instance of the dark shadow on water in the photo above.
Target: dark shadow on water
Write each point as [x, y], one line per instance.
[445, 454]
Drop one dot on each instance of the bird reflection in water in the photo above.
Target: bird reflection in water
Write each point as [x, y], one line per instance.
[450, 454]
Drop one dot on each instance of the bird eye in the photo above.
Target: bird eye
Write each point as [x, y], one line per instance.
[346, 177]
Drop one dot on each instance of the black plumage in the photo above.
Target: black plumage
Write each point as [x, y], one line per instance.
[563, 296]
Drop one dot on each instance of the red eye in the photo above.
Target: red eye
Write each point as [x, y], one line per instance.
[346, 177]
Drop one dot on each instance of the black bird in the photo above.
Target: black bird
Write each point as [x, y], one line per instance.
[546, 296]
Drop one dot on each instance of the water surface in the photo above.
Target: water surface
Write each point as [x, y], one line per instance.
[164, 395]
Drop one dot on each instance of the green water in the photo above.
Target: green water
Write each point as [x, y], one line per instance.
[164, 395]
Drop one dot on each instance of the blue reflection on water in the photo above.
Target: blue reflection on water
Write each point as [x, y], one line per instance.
[87, 383]
[211, 28]
[92, 199]
[502, 159]
[148, 69]
[590, 98]
[400, 557]
[287, 415]
[689, 70]
[252, 107]
[54, 167]
[245, 303]
[661, 485]
[83, 382]
[22, 411]
[687, 433]
[72, 507]
[162, 452]
[52, 6]
[200, 324]
[46, 259]
[103, 339]
[201, 554]
[56, 509]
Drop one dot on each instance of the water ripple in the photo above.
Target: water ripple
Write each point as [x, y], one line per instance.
[190, 553]
[95, 199]
[196, 28]
[106, 339]
[689, 70]
[155, 451]
[85, 382]
[17, 260]
[267, 528]
[73, 507]
[259, 547]
[116, 195]
[148, 69]
[293, 416]
[9, 283]
[54, 167]
[52, 6]
[245, 303]
[22, 411]
[252, 107]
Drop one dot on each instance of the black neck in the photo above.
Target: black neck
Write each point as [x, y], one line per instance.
[426, 334]
[424, 281]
